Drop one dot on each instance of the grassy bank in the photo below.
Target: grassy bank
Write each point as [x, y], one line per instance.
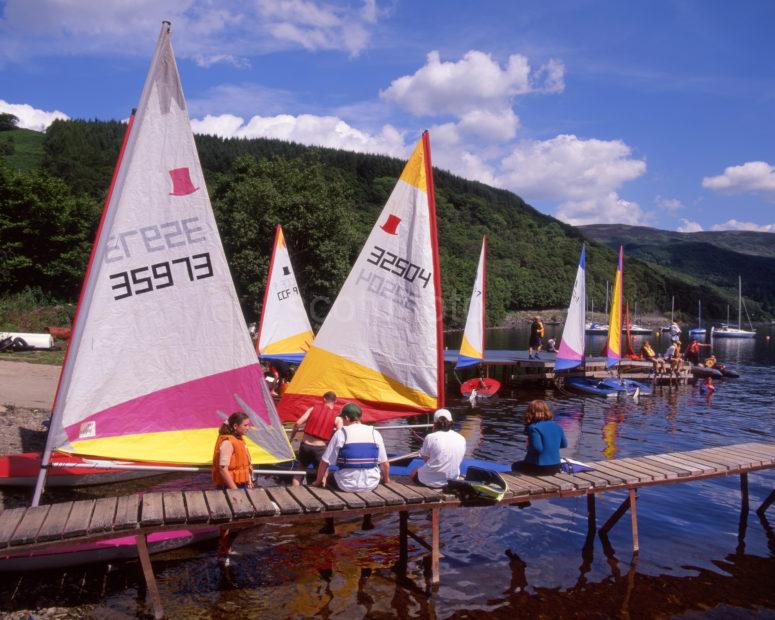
[32, 311]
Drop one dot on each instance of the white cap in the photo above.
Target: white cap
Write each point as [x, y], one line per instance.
[442, 414]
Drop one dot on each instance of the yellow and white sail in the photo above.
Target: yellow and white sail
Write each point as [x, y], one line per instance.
[472, 347]
[381, 343]
[284, 332]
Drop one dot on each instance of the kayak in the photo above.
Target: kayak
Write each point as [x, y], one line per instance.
[607, 387]
[704, 371]
[729, 373]
[491, 387]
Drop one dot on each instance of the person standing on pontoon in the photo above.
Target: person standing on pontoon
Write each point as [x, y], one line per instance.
[536, 338]
[319, 423]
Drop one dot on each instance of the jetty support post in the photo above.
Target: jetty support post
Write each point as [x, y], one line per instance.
[403, 541]
[150, 579]
[766, 504]
[630, 503]
[435, 553]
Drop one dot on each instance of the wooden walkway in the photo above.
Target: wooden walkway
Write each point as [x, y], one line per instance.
[48, 527]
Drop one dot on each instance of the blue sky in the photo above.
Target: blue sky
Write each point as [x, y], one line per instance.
[642, 112]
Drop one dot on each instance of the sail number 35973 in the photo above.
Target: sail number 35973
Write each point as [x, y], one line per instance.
[161, 275]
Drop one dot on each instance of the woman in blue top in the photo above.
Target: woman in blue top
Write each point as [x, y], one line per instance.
[544, 440]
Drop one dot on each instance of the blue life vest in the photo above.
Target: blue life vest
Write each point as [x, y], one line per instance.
[357, 455]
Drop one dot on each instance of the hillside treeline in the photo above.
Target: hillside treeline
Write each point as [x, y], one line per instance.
[327, 201]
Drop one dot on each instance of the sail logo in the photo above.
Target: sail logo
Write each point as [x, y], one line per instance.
[87, 430]
[181, 182]
[391, 224]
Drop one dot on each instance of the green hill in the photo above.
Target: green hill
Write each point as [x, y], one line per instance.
[327, 201]
[22, 148]
[715, 259]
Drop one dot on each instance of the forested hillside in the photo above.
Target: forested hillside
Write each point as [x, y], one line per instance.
[715, 257]
[327, 201]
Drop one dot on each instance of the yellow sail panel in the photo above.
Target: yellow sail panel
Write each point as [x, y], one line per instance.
[614, 347]
[298, 343]
[468, 350]
[414, 171]
[189, 447]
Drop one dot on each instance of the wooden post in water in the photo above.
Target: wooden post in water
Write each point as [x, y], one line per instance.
[634, 515]
[591, 513]
[403, 541]
[150, 579]
[435, 553]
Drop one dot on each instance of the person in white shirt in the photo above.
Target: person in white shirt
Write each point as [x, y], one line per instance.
[675, 330]
[359, 454]
[442, 450]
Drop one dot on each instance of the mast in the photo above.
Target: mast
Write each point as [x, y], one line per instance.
[606, 297]
[699, 313]
[739, 302]
[672, 307]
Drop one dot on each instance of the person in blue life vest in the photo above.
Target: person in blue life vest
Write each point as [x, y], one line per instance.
[544, 439]
[319, 423]
[358, 452]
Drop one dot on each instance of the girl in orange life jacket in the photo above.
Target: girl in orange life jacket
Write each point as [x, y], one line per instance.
[231, 469]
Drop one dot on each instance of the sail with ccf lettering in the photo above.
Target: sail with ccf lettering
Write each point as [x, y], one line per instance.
[571, 351]
[472, 345]
[284, 332]
[160, 353]
[613, 348]
[381, 343]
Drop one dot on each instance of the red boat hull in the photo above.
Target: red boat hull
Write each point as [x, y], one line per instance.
[490, 388]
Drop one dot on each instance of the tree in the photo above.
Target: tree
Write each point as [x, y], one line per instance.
[8, 121]
[311, 202]
[45, 234]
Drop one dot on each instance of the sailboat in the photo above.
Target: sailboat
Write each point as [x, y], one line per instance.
[572, 343]
[698, 333]
[381, 344]
[613, 346]
[472, 346]
[726, 331]
[160, 354]
[284, 332]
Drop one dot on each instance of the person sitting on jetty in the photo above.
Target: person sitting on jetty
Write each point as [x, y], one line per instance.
[232, 469]
[442, 450]
[544, 439]
[693, 352]
[551, 346]
[536, 338]
[359, 453]
[648, 354]
[319, 423]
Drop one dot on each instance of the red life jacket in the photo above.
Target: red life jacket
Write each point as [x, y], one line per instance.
[320, 423]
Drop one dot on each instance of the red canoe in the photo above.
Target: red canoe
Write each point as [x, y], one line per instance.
[483, 387]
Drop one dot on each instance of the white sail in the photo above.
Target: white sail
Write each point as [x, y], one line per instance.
[284, 332]
[472, 345]
[160, 353]
[571, 352]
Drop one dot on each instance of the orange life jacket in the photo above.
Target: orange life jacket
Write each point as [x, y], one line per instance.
[239, 465]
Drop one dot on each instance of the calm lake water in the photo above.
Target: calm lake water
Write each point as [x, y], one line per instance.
[697, 558]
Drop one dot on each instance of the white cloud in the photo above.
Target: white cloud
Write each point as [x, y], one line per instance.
[207, 32]
[327, 131]
[31, 118]
[757, 177]
[668, 204]
[603, 209]
[688, 226]
[735, 225]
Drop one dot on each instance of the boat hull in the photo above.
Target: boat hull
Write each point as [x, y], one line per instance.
[703, 371]
[491, 389]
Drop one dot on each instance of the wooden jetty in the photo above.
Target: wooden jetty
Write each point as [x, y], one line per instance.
[513, 367]
[61, 525]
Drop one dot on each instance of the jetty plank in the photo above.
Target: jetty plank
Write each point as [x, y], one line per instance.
[766, 459]
[79, 518]
[174, 507]
[27, 530]
[614, 479]
[351, 500]
[690, 470]
[372, 499]
[241, 507]
[262, 505]
[760, 447]
[741, 457]
[728, 462]
[578, 483]
[127, 510]
[196, 507]
[655, 473]
[152, 509]
[523, 482]
[564, 484]
[218, 506]
[409, 495]
[597, 481]
[428, 494]
[681, 472]
[626, 477]
[54, 524]
[698, 467]
[9, 521]
[391, 498]
[516, 488]
[329, 499]
[104, 515]
[309, 502]
[631, 473]
[281, 497]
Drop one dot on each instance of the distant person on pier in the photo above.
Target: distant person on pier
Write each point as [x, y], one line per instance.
[232, 469]
[544, 439]
[693, 351]
[675, 330]
[673, 356]
[648, 354]
[536, 338]
[551, 345]
[358, 452]
[319, 423]
[442, 451]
